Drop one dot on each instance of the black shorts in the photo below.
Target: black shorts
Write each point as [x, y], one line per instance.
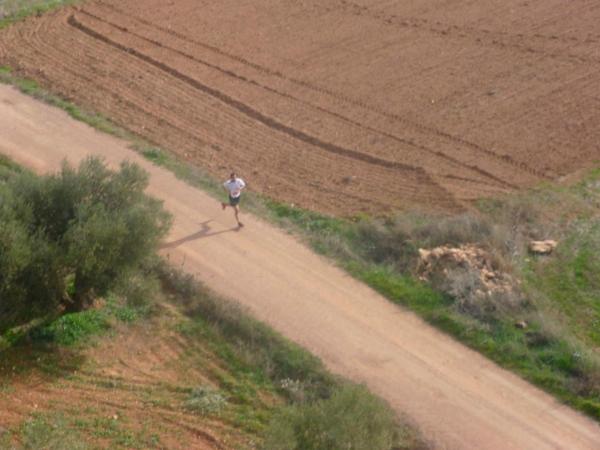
[233, 201]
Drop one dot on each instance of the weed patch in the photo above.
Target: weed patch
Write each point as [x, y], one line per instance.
[52, 432]
[12, 11]
[350, 418]
[205, 400]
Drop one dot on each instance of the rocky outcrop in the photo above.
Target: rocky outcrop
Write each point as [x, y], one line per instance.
[444, 261]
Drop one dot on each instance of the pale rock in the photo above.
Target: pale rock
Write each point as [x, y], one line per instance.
[542, 247]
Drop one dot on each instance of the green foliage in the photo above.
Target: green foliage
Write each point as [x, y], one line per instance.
[14, 10]
[308, 220]
[69, 237]
[351, 419]
[205, 400]
[569, 281]
[50, 433]
[73, 328]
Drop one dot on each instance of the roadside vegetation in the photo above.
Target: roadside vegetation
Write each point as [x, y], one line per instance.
[546, 329]
[67, 238]
[234, 379]
[14, 10]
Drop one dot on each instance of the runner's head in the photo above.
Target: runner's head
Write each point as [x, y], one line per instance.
[232, 176]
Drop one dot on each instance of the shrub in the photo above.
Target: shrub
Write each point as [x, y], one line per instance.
[395, 241]
[69, 237]
[51, 433]
[205, 400]
[351, 419]
[72, 328]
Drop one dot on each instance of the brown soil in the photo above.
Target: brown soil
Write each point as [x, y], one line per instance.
[458, 399]
[336, 105]
[134, 378]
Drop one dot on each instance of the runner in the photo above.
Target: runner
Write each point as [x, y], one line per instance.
[234, 186]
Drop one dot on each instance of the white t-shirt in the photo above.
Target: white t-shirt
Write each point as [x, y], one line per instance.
[235, 187]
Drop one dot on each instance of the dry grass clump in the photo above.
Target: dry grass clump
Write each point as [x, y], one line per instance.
[468, 274]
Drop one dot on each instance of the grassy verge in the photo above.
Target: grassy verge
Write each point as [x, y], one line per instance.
[12, 11]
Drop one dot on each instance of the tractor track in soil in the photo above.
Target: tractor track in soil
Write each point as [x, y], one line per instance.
[498, 181]
[344, 98]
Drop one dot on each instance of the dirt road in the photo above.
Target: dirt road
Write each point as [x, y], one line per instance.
[458, 398]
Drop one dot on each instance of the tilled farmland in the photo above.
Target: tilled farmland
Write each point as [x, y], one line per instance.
[338, 106]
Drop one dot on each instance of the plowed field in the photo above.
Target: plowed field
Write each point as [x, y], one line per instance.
[339, 106]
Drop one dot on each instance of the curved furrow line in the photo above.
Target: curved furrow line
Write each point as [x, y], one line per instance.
[246, 109]
[137, 100]
[258, 141]
[341, 97]
[408, 142]
[415, 190]
[61, 65]
[222, 112]
[46, 50]
[75, 75]
[166, 415]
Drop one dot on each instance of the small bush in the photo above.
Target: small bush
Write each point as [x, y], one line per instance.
[50, 434]
[72, 328]
[205, 400]
[473, 298]
[395, 241]
[351, 419]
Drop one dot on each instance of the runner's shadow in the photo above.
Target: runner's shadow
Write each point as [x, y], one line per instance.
[203, 233]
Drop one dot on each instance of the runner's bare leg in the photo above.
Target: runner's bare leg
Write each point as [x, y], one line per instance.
[236, 209]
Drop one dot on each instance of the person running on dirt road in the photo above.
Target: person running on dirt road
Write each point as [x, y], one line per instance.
[234, 186]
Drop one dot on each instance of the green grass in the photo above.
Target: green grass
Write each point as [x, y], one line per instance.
[569, 281]
[51, 432]
[76, 328]
[12, 11]
[8, 168]
[78, 430]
